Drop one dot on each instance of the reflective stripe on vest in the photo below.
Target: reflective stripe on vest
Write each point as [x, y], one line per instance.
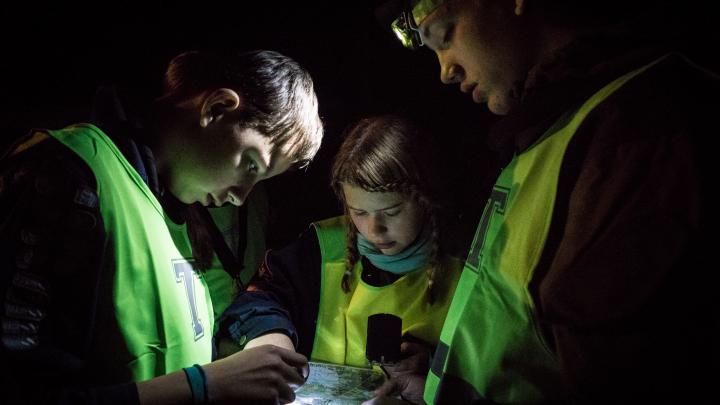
[491, 347]
[223, 288]
[341, 330]
[160, 306]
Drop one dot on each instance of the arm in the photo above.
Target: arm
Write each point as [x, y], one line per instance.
[625, 296]
[283, 297]
[265, 374]
[51, 243]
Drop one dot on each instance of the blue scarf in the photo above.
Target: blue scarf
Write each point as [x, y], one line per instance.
[411, 258]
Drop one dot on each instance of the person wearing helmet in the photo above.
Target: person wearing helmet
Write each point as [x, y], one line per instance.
[587, 279]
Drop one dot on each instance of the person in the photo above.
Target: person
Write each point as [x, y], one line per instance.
[105, 238]
[228, 241]
[587, 279]
[385, 255]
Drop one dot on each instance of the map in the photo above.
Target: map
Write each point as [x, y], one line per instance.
[338, 385]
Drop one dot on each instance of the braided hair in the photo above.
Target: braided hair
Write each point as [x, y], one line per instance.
[388, 154]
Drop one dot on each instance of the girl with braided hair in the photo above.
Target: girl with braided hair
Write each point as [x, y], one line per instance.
[379, 176]
[382, 256]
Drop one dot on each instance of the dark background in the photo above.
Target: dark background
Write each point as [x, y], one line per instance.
[55, 55]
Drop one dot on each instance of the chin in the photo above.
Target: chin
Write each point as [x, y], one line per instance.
[185, 199]
[499, 105]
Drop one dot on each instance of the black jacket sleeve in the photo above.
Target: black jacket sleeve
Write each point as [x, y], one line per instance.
[283, 296]
[51, 248]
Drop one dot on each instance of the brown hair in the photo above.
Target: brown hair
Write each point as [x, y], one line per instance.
[280, 100]
[387, 154]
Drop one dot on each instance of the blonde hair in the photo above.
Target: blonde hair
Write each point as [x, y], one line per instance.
[387, 154]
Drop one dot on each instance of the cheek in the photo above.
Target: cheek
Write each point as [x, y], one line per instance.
[359, 224]
[411, 226]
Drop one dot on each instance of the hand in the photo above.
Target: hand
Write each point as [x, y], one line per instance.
[263, 374]
[407, 377]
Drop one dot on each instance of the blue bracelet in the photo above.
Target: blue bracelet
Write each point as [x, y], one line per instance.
[198, 383]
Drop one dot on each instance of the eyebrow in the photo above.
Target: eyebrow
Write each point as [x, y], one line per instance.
[381, 209]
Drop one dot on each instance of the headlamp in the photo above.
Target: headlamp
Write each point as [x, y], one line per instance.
[406, 25]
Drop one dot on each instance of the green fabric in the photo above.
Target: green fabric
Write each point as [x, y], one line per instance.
[341, 330]
[493, 341]
[160, 306]
[223, 288]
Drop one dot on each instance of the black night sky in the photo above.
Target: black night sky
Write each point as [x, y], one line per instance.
[54, 56]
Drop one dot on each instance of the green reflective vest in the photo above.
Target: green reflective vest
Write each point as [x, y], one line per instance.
[341, 331]
[491, 345]
[161, 307]
[223, 288]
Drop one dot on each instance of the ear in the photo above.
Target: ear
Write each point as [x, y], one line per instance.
[218, 103]
[519, 7]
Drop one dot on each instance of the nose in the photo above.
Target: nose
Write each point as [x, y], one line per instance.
[237, 195]
[377, 225]
[450, 72]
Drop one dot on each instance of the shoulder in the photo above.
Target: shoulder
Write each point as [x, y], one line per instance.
[672, 96]
[45, 161]
[332, 237]
[335, 223]
[51, 233]
[656, 121]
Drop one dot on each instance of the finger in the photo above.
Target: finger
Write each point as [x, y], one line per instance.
[389, 387]
[291, 375]
[409, 347]
[286, 394]
[304, 371]
[412, 348]
[292, 358]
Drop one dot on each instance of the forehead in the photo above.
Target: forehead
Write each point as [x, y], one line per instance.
[431, 25]
[251, 139]
[358, 198]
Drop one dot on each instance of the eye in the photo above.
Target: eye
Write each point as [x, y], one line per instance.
[392, 213]
[448, 34]
[359, 213]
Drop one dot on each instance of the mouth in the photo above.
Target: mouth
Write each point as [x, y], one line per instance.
[477, 95]
[474, 91]
[467, 88]
[384, 246]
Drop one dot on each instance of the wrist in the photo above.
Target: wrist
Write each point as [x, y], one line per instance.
[197, 380]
